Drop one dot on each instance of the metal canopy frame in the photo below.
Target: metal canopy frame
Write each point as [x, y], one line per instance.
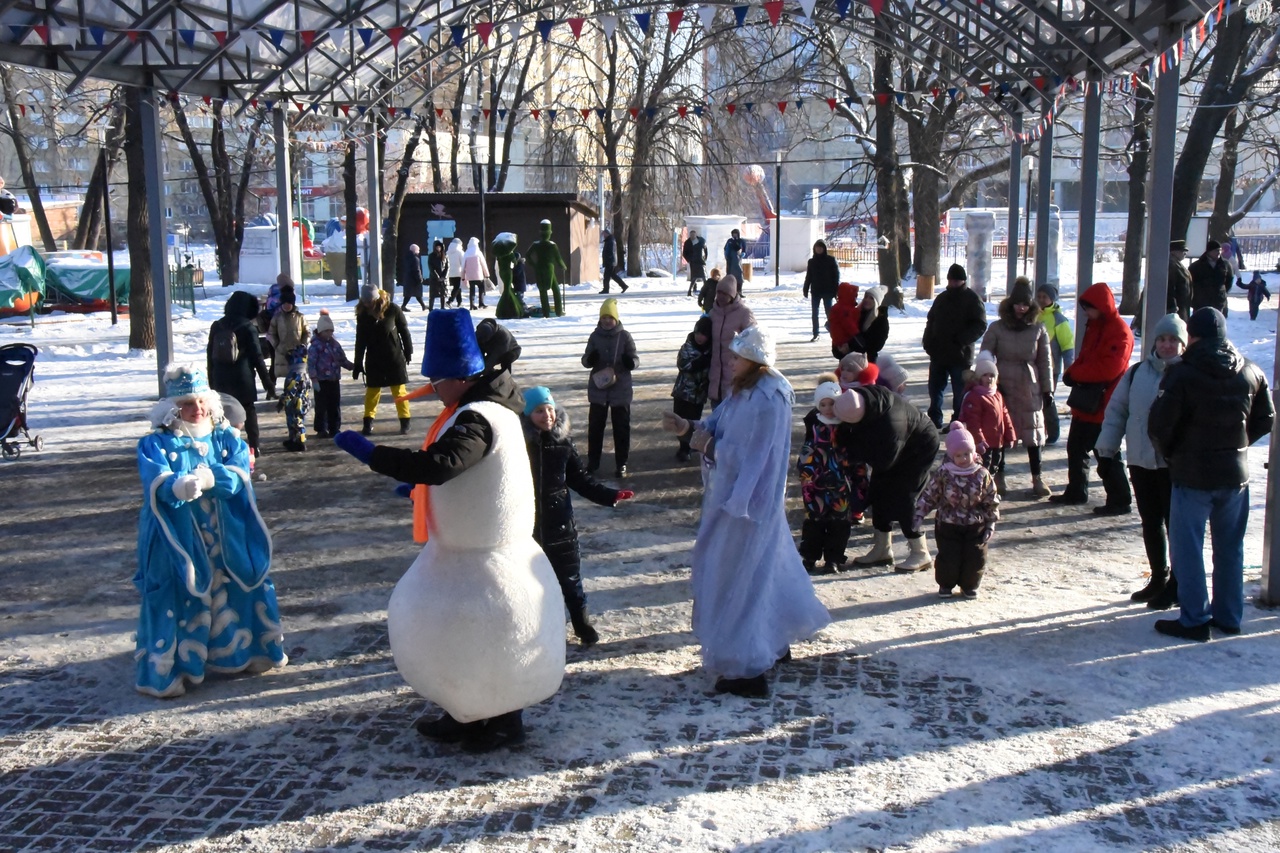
[1023, 44]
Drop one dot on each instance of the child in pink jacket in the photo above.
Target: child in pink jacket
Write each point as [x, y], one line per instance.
[985, 415]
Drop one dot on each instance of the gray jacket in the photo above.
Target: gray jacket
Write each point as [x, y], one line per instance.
[610, 348]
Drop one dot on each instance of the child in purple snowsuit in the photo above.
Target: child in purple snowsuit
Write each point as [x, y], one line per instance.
[325, 362]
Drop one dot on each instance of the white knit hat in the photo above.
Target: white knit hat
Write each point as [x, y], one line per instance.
[755, 344]
[985, 364]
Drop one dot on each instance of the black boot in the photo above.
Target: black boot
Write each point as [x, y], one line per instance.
[444, 729]
[367, 429]
[1155, 587]
[494, 733]
[582, 627]
[404, 426]
[1168, 596]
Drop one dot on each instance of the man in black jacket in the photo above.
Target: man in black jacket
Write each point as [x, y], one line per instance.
[956, 321]
[694, 253]
[821, 280]
[1210, 279]
[611, 260]
[1211, 407]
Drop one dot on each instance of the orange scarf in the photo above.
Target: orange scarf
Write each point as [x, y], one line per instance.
[421, 491]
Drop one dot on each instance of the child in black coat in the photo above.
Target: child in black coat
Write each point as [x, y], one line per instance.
[1257, 288]
[557, 469]
[693, 379]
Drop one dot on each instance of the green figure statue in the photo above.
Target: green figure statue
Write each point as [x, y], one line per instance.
[545, 257]
[504, 252]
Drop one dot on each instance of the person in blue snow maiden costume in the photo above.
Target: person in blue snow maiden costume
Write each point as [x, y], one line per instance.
[208, 604]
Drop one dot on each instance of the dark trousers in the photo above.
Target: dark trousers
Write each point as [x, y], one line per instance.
[688, 411]
[268, 356]
[824, 539]
[1052, 427]
[962, 555]
[697, 275]
[436, 290]
[1153, 490]
[455, 290]
[596, 417]
[611, 275]
[826, 306]
[473, 286]
[993, 460]
[566, 562]
[1080, 441]
[250, 420]
[328, 419]
[939, 376]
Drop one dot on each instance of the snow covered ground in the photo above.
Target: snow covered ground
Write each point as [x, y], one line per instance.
[1045, 714]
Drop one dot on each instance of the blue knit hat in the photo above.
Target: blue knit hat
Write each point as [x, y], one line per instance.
[182, 381]
[539, 395]
[451, 350]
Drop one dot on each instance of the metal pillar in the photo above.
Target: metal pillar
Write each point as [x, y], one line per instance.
[1044, 191]
[1164, 133]
[374, 178]
[1015, 200]
[1270, 595]
[1089, 177]
[161, 298]
[284, 196]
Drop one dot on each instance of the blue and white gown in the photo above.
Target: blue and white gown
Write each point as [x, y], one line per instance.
[751, 595]
[208, 604]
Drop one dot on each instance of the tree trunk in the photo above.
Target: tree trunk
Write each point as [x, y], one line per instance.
[1135, 240]
[22, 150]
[142, 321]
[390, 241]
[886, 166]
[349, 199]
[433, 148]
[1225, 192]
[90, 225]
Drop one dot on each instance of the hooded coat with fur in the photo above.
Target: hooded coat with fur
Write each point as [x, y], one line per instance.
[845, 319]
[1104, 351]
[1021, 348]
[383, 344]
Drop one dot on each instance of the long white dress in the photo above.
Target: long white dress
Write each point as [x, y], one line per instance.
[751, 595]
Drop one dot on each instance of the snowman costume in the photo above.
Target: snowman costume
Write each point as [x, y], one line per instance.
[477, 623]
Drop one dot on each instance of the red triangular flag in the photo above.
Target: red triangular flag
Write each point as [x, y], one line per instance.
[300, 107]
[1039, 81]
[774, 9]
[782, 106]
[253, 102]
[635, 112]
[486, 112]
[831, 102]
[133, 36]
[208, 100]
[882, 98]
[484, 29]
[396, 34]
[731, 108]
[986, 88]
[575, 26]
[536, 114]
[936, 91]
[439, 112]
[346, 109]
[877, 6]
[308, 38]
[674, 19]
[220, 36]
[586, 111]
[42, 30]
[391, 111]
[22, 108]
[682, 110]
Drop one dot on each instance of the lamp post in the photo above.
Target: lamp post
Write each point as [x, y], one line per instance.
[777, 221]
[106, 224]
[477, 176]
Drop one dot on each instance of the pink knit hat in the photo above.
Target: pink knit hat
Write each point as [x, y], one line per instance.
[959, 439]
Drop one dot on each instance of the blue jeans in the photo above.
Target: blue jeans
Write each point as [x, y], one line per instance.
[826, 307]
[1227, 513]
[938, 378]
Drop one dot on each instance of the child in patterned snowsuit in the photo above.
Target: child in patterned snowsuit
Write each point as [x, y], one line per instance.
[825, 484]
[968, 508]
[296, 399]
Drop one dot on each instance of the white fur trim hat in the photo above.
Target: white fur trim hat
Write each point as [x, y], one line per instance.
[826, 391]
[755, 344]
[985, 364]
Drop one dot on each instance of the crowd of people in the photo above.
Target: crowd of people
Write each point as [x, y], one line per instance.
[1185, 413]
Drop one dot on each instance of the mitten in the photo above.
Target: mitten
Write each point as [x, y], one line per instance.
[355, 444]
[355, 373]
[671, 422]
[623, 495]
[204, 477]
[186, 487]
[404, 490]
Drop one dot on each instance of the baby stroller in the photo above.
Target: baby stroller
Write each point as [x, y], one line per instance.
[17, 369]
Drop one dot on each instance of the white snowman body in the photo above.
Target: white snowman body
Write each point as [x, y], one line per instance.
[477, 623]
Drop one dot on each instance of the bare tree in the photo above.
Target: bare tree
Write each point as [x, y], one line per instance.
[22, 150]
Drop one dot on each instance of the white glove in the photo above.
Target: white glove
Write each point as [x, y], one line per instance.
[671, 422]
[186, 487]
[702, 441]
[204, 476]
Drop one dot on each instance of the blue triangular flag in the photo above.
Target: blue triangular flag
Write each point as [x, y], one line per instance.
[366, 34]
[188, 37]
[551, 114]
[697, 111]
[277, 37]
[544, 29]
[650, 112]
[740, 12]
[644, 19]
[842, 6]
[901, 96]
[749, 105]
[457, 115]
[98, 34]
[361, 108]
[459, 33]
[502, 114]
[19, 31]
[408, 111]
[600, 113]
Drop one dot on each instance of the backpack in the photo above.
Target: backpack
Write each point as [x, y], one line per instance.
[223, 346]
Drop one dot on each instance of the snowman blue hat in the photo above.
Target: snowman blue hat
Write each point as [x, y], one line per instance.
[181, 380]
[451, 350]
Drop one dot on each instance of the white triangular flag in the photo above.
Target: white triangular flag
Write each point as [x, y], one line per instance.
[63, 35]
[608, 23]
[338, 36]
[513, 30]
[807, 7]
[425, 32]
[708, 16]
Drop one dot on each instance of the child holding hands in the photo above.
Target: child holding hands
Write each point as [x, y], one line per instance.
[964, 495]
[987, 418]
[325, 361]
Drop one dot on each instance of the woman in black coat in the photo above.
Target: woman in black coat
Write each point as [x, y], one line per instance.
[383, 350]
[236, 378]
[411, 277]
[438, 267]
[874, 330]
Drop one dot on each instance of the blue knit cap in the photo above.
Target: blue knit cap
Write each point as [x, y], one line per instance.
[186, 382]
[451, 350]
[537, 396]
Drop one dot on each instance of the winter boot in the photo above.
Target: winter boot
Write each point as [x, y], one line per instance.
[582, 627]
[1000, 487]
[367, 429]
[404, 426]
[1168, 597]
[505, 730]
[1155, 587]
[918, 560]
[1038, 488]
[881, 553]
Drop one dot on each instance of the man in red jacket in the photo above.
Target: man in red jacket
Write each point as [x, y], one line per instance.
[1101, 361]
